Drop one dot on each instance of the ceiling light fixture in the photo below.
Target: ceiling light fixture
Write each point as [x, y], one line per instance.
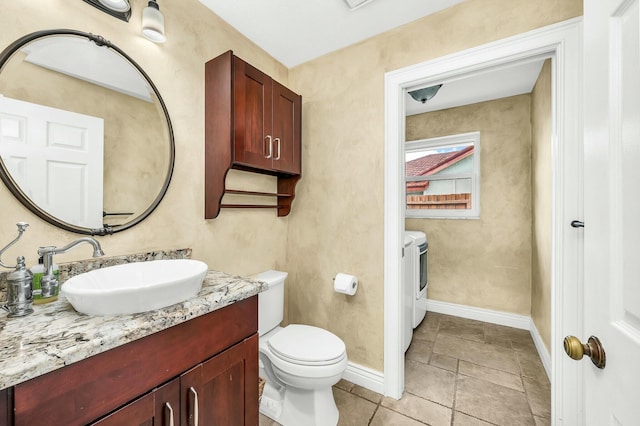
[153, 23]
[121, 9]
[355, 4]
[424, 94]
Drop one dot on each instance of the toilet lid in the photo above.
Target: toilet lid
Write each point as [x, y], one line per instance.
[307, 344]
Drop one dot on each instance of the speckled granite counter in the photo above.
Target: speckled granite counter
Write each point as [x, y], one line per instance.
[56, 335]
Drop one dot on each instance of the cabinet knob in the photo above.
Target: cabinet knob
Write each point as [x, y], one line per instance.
[193, 407]
[168, 414]
[277, 140]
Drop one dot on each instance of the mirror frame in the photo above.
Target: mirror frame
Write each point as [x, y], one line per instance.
[13, 187]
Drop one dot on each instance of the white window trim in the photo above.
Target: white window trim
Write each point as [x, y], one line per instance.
[435, 143]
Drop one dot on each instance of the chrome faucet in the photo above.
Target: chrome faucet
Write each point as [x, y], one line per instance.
[49, 282]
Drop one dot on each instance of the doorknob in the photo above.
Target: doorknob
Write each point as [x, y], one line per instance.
[593, 349]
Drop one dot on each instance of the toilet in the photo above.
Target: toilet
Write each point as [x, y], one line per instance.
[299, 362]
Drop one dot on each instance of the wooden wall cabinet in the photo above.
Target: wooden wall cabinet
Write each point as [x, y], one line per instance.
[252, 123]
[204, 369]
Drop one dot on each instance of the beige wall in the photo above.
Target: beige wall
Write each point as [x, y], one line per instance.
[484, 262]
[241, 242]
[541, 204]
[337, 220]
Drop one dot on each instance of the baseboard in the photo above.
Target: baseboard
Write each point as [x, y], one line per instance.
[496, 317]
[545, 357]
[365, 377]
[486, 315]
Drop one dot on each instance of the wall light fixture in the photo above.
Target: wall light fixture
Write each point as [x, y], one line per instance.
[153, 23]
[121, 9]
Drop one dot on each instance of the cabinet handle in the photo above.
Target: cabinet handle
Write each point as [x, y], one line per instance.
[193, 407]
[278, 141]
[268, 138]
[168, 414]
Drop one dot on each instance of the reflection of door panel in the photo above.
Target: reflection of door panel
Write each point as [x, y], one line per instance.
[56, 157]
[612, 209]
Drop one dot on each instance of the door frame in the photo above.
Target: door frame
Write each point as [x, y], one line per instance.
[562, 42]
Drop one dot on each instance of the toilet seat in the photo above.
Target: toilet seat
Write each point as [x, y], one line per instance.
[307, 345]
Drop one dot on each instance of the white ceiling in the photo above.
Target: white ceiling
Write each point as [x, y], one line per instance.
[297, 31]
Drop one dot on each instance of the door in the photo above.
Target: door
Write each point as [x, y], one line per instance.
[56, 158]
[161, 407]
[612, 209]
[252, 115]
[287, 118]
[223, 390]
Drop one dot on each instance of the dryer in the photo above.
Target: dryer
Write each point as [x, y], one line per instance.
[420, 275]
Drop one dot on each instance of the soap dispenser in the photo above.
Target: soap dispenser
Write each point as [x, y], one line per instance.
[19, 295]
[19, 290]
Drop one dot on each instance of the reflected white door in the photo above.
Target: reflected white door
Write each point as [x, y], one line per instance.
[612, 209]
[56, 157]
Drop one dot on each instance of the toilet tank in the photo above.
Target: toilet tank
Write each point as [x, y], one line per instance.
[270, 301]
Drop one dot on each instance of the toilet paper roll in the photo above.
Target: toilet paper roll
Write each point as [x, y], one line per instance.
[345, 284]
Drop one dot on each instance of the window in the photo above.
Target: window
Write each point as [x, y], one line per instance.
[442, 177]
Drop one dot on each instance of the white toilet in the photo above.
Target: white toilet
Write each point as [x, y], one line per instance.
[300, 363]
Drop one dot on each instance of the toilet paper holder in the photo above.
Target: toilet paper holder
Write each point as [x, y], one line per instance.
[345, 284]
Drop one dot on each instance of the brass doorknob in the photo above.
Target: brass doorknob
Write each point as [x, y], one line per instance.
[593, 349]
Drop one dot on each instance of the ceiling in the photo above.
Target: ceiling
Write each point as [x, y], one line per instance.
[297, 31]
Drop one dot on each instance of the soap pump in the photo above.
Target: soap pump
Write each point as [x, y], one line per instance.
[19, 290]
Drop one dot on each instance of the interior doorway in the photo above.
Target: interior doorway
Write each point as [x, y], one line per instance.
[563, 43]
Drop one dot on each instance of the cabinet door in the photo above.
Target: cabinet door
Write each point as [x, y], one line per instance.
[160, 407]
[223, 391]
[252, 115]
[287, 119]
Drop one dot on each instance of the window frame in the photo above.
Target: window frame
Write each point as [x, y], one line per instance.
[442, 142]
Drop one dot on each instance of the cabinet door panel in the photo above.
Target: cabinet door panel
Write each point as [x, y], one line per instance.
[138, 413]
[287, 119]
[252, 116]
[224, 389]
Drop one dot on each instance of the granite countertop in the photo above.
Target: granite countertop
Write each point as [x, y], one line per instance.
[56, 335]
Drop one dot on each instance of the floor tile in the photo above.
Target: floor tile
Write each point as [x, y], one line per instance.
[492, 403]
[344, 385]
[367, 394]
[432, 383]
[539, 394]
[478, 353]
[444, 362]
[531, 366]
[386, 417]
[420, 409]
[354, 411]
[461, 419]
[266, 421]
[467, 329]
[419, 350]
[492, 375]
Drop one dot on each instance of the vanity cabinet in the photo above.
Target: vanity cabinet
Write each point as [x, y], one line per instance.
[205, 367]
[252, 123]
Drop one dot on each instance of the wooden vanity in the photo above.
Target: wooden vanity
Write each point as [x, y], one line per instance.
[202, 371]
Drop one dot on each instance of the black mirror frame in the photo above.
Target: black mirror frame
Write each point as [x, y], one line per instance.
[5, 56]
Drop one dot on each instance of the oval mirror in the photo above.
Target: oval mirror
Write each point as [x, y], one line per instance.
[85, 139]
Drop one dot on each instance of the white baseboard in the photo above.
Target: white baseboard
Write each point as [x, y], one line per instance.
[496, 317]
[364, 376]
[479, 314]
[545, 357]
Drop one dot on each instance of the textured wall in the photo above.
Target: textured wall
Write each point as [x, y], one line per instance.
[237, 241]
[337, 221]
[484, 262]
[541, 204]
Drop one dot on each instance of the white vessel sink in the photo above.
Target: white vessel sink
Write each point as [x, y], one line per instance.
[135, 287]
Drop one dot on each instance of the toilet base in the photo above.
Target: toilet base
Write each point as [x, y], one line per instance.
[291, 406]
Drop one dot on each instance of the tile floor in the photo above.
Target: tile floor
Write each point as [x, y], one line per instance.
[458, 372]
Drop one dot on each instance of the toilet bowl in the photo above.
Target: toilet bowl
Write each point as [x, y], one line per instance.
[301, 363]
